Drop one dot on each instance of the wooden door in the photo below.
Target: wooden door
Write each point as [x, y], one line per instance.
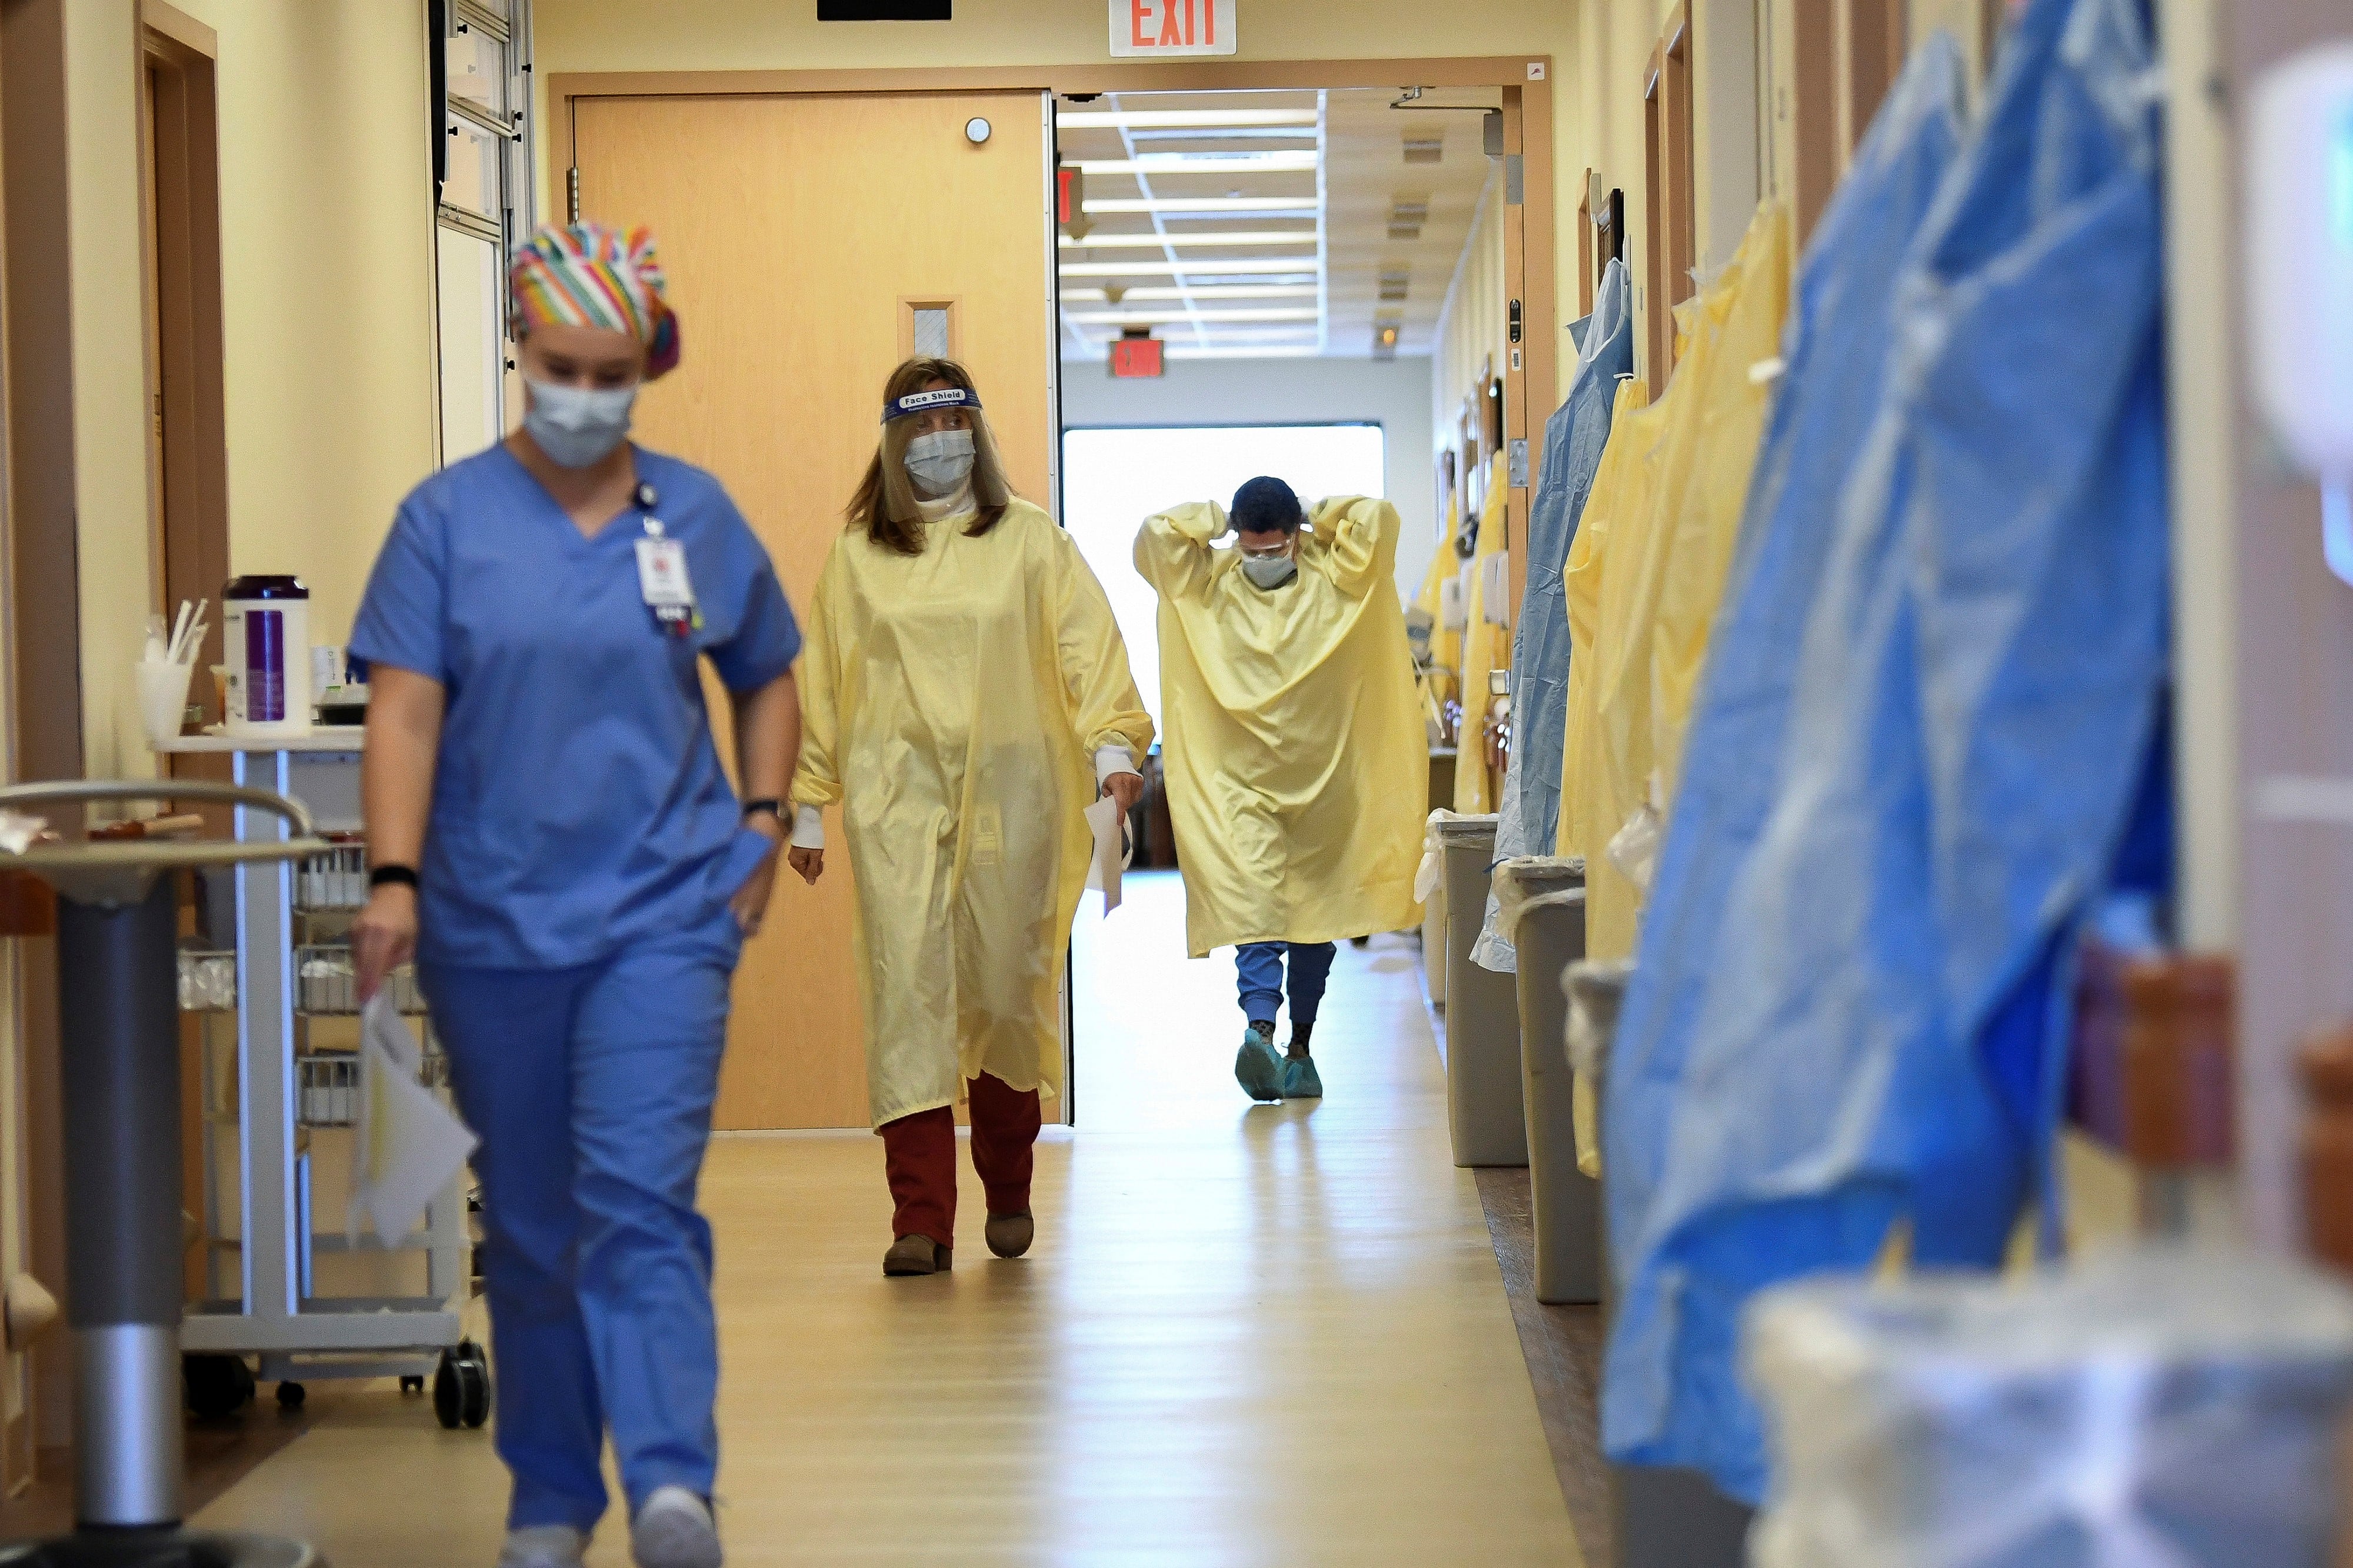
[801, 235]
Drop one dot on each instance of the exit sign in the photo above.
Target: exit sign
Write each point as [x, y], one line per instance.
[1135, 357]
[1151, 29]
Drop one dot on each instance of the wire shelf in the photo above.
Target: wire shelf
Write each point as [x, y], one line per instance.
[327, 985]
[332, 883]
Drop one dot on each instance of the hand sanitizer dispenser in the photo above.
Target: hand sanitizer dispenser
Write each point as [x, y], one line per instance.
[2300, 275]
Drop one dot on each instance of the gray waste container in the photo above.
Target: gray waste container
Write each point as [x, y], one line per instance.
[1662, 1516]
[1482, 1011]
[1541, 901]
[1433, 945]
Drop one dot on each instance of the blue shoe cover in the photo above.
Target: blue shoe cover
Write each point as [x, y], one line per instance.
[1300, 1078]
[1258, 1067]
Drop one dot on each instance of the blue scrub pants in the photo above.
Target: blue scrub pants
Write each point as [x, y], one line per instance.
[1257, 968]
[591, 1090]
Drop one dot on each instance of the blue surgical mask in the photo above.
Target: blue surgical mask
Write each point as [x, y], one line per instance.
[576, 426]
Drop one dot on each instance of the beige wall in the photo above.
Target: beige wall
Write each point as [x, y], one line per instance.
[326, 265]
[326, 253]
[110, 388]
[1472, 328]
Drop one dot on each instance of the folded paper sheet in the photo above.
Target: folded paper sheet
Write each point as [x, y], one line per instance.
[1112, 851]
[409, 1143]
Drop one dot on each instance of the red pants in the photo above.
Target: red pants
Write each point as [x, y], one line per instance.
[918, 1153]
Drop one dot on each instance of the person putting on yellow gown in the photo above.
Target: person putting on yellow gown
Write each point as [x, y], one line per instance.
[1295, 755]
[968, 697]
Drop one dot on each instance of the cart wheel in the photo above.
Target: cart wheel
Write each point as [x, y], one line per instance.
[290, 1395]
[216, 1386]
[412, 1386]
[462, 1388]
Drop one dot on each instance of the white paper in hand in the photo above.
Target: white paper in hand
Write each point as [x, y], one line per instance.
[1111, 850]
[408, 1145]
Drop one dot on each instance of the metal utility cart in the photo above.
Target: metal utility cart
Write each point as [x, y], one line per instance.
[281, 1070]
[120, 1071]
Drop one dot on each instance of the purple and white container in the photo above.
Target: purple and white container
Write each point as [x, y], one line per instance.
[266, 627]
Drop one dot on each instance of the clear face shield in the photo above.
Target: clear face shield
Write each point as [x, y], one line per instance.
[934, 443]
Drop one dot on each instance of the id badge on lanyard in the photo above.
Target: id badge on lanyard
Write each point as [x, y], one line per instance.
[662, 576]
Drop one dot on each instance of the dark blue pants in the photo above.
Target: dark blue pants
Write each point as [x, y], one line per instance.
[1257, 967]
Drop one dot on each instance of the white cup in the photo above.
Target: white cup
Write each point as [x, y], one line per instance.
[163, 701]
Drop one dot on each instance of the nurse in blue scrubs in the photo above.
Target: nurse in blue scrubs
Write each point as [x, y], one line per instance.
[554, 840]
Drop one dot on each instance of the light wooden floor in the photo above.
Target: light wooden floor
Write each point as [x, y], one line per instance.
[1247, 1336]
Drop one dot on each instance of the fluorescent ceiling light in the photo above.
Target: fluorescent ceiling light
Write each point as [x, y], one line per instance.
[1255, 266]
[1170, 119]
[1207, 291]
[1158, 163]
[1155, 241]
[1141, 318]
[1203, 204]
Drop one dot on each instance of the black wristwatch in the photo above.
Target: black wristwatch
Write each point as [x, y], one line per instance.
[403, 875]
[767, 805]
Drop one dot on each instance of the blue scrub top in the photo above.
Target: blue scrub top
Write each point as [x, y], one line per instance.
[578, 802]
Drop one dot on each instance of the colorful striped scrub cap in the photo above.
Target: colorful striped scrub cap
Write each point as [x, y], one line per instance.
[586, 275]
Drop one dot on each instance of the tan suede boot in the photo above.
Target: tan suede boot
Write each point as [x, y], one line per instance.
[1009, 1235]
[914, 1255]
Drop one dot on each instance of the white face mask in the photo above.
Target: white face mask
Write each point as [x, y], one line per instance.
[1270, 571]
[940, 462]
[576, 426]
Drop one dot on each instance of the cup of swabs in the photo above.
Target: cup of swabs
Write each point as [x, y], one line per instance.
[164, 669]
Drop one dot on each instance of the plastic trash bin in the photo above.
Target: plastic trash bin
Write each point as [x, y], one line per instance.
[1662, 1516]
[1541, 905]
[1483, 1011]
[119, 1028]
[2169, 1405]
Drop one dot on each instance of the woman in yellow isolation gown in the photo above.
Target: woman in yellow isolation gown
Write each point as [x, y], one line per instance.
[966, 695]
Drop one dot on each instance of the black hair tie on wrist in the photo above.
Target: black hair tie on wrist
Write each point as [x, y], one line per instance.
[766, 804]
[405, 875]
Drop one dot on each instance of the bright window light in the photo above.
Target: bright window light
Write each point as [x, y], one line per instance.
[1114, 479]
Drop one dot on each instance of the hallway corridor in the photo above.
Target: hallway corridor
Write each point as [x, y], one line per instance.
[1247, 1336]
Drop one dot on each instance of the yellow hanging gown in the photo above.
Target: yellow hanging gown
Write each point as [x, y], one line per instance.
[1485, 648]
[952, 702]
[1647, 574]
[1296, 759]
[1651, 576]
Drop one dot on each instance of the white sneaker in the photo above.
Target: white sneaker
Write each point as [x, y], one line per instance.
[675, 1530]
[545, 1546]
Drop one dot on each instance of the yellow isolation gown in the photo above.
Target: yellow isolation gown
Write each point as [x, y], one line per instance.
[1445, 644]
[1647, 574]
[1485, 648]
[1296, 758]
[1664, 553]
[952, 702]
